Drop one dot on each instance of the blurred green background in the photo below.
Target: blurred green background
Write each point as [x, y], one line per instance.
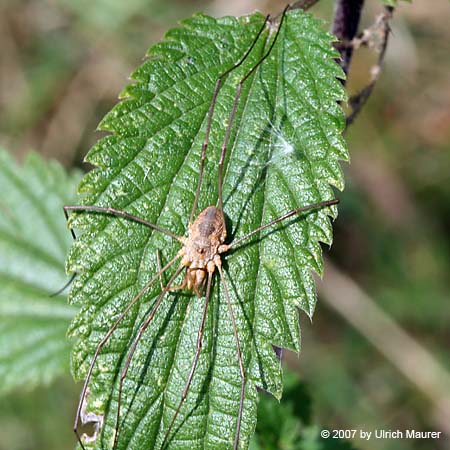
[62, 65]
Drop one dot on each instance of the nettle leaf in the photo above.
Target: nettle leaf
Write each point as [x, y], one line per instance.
[33, 245]
[284, 151]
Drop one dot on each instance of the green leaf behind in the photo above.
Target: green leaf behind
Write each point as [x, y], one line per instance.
[288, 424]
[284, 151]
[33, 244]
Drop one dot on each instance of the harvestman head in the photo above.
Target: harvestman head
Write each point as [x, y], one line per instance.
[200, 256]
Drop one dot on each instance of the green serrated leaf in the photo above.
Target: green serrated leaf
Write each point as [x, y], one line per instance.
[33, 244]
[284, 151]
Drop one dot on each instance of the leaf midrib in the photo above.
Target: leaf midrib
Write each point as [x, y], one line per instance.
[230, 157]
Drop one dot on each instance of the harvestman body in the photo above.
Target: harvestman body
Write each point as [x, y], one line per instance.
[200, 255]
[201, 250]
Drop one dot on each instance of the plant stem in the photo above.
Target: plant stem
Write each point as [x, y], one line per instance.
[358, 100]
[347, 15]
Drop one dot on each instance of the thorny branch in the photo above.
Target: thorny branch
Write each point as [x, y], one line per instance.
[347, 15]
[345, 28]
[376, 36]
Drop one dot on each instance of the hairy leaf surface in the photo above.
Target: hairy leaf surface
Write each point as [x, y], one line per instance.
[33, 244]
[284, 151]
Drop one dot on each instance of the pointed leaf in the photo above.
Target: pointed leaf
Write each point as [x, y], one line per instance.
[33, 244]
[284, 151]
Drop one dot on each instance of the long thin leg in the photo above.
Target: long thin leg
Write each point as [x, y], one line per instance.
[234, 108]
[105, 339]
[66, 214]
[124, 214]
[158, 262]
[59, 291]
[110, 211]
[293, 212]
[142, 329]
[240, 360]
[210, 116]
[194, 362]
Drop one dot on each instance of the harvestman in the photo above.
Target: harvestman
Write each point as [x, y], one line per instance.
[200, 255]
